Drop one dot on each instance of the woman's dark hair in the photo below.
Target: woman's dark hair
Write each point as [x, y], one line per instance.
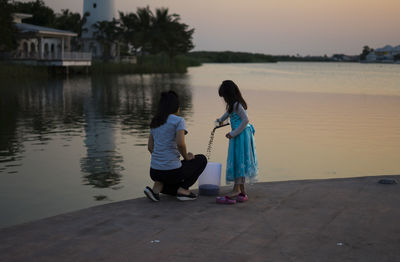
[231, 94]
[169, 104]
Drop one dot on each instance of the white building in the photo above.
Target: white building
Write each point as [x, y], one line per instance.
[38, 45]
[383, 54]
[99, 10]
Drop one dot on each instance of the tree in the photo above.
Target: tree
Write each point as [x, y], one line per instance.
[161, 32]
[137, 30]
[170, 35]
[365, 52]
[107, 33]
[72, 22]
[8, 31]
[42, 15]
[128, 24]
[143, 29]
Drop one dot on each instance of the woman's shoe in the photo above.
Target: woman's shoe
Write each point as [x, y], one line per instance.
[183, 197]
[151, 195]
[242, 197]
[225, 200]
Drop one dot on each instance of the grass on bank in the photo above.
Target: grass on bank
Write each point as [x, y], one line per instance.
[150, 64]
[154, 64]
[9, 71]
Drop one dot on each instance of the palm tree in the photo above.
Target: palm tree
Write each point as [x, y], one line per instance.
[137, 29]
[144, 29]
[170, 35]
[157, 33]
[8, 31]
[73, 22]
[108, 34]
[128, 24]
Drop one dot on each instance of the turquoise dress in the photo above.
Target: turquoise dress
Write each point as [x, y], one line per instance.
[242, 165]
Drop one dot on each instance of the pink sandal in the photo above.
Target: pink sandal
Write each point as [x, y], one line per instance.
[242, 197]
[225, 200]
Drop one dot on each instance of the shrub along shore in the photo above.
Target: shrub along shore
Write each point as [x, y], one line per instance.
[146, 65]
[149, 64]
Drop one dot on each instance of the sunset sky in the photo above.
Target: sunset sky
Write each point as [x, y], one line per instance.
[305, 27]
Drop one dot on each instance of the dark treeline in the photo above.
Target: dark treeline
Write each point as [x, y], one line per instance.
[243, 57]
[292, 58]
[230, 57]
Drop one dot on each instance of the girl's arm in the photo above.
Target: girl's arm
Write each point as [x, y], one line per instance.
[150, 144]
[180, 142]
[239, 110]
[223, 117]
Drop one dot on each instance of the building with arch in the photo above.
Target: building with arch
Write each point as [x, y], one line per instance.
[38, 45]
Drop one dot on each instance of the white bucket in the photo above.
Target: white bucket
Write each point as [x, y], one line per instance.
[210, 179]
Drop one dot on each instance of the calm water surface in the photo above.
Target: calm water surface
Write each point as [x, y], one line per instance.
[71, 144]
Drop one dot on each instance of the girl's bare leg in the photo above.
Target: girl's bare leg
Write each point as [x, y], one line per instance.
[157, 187]
[235, 191]
[242, 189]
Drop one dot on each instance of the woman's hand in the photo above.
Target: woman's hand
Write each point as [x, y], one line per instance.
[180, 142]
[189, 156]
[228, 135]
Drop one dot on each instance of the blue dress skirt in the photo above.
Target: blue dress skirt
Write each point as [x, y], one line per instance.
[242, 165]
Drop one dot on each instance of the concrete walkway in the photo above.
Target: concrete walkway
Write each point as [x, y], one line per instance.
[353, 219]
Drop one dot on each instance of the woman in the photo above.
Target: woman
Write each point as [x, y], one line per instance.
[166, 144]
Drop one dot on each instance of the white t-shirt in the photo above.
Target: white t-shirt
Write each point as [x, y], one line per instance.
[165, 154]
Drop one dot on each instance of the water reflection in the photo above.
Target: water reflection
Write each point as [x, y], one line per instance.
[28, 112]
[95, 110]
[36, 111]
[102, 164]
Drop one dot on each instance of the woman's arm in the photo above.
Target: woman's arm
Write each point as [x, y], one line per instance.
[150, 144]
[180, 142]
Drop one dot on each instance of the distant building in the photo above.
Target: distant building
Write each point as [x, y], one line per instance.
[38, 45]
[99, 10]
[385, 54]
[344, 58]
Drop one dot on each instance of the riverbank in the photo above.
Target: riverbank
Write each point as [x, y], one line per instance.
[354, 219]
[154, 64]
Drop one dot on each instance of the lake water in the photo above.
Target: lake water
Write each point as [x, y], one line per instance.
[74, 143]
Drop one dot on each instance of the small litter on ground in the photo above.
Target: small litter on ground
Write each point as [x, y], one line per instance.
[386, 181]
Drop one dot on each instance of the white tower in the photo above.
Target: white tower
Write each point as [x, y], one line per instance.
[99, 10]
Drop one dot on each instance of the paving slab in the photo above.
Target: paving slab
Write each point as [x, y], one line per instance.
[353, 219]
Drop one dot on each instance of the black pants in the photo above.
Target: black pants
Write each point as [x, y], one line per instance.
[184, 177]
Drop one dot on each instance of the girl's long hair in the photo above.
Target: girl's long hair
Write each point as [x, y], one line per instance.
[231, 94]
[169, 104]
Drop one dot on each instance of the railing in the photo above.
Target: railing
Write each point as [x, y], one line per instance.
[76, 56]
[69, 56]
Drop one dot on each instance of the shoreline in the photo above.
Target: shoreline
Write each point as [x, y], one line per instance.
[338, 219]
[11, 71]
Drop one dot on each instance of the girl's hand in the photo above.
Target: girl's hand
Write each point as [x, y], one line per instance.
[228, 135]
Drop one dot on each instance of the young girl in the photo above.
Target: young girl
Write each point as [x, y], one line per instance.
[242, 163]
